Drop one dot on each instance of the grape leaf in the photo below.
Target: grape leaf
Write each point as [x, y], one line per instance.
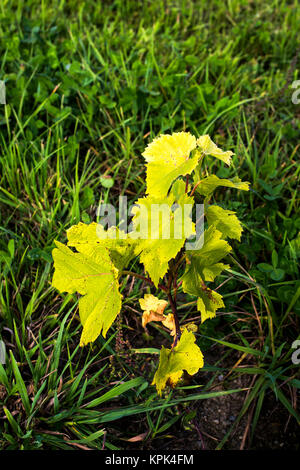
[186, 355]
[168, 157]
[153, 311]
[224, 220]
[208, 147]
[162, 237]
[207, 185]
[205, 261]
[208, 302]
[191, 280]
[151, 303]
[119, 244]
[91, 273]
[203, 264]
[167, 320]
[190, 327]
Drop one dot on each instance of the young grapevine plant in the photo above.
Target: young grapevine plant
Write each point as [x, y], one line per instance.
[99, 257]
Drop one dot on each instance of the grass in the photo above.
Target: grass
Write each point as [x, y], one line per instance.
[87, 86]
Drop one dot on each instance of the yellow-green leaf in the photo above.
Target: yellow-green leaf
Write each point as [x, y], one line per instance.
[208, 147]
[205, 261]
[120, 245]
[208, 302]
[168, 157]
[164, 234]
[224, 220]
[150, 303]
[186, 355]
[206, 186]
[91, 273]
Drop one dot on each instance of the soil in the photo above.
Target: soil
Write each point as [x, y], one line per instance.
[215, 417]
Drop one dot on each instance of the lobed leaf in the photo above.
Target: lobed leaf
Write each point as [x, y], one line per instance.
[203, 265]
[151, 303]
[153, 311]
[207, 185]
[119, 244]
[161, 239]
[172, 362]
[205, 261]
[168, 157]
[91, 273]
[225, 221]
[208, 302]
[208, 147]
